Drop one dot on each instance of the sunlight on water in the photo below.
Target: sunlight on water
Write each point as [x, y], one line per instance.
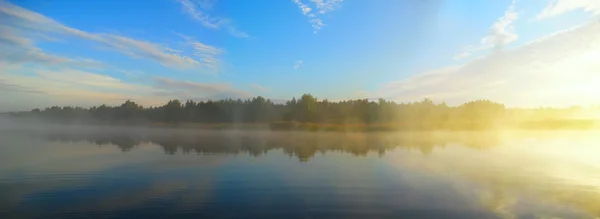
[561, 171]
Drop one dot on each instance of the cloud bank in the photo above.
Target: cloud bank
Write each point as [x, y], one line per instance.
[557, 69]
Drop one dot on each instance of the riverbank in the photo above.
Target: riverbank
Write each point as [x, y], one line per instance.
[550, 124]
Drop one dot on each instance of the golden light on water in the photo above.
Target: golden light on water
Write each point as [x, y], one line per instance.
[560, 168]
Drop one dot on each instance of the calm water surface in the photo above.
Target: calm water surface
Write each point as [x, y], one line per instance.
[110, 173]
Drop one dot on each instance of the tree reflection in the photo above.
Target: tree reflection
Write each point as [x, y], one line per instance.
[303, 145]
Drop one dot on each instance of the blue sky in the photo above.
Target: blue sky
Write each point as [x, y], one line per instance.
[522, 53]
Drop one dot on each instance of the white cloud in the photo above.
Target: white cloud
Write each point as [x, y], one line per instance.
[500, 34]
[197, 11]
[317, 24]
[23, 22]
[558, 69]
[298, 64]
[320, 7]
[558, 7]
[304, 8]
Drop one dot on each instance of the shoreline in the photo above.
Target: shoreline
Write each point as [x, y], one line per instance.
[541, 125]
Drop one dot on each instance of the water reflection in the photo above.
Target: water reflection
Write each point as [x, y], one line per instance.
[125, 173]
[302, 145]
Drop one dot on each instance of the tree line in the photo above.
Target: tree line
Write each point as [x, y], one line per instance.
[309, 110]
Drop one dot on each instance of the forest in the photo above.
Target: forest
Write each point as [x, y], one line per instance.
[308, 112]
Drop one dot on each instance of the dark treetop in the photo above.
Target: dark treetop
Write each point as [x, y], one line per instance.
[310, 113]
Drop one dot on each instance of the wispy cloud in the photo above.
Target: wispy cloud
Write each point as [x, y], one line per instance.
[28, 23]
[197, 91]
[15, 48]
[298, 64]
[197, 10]
[260, 88]
[324, 6]
[35, 55]
[206, 20]
[15, 97]
[67, 86]
[172, 84]
[237, 33]
[42, 87]
[144, 49]
[558, 7]
[131, 73]
[8, 88]
[8, 36]
[500, 34]
[317, 24]
[304, 8]
[208, 54]
[318, 7]
[557, 69]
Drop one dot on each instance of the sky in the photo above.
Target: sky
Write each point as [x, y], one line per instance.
[82, 53]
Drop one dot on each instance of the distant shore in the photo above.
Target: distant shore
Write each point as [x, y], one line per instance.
[574, 124]
[307, 113]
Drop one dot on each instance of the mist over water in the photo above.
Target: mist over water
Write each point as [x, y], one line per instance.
[109, 172]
